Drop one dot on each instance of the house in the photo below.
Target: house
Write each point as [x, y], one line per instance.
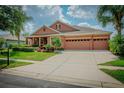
[10, 39]
[72, 37]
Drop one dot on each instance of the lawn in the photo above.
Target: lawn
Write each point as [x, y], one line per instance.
[119, 62]
[38, 56]
[3, 64]
[117, 74]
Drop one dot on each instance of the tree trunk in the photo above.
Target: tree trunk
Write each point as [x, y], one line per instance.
[119, 31]
[18, 39]
[119, 34]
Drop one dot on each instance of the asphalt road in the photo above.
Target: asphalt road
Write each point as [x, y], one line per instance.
[12, 81]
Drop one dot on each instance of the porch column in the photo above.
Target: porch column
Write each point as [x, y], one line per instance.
[49, 40]
[39, 41]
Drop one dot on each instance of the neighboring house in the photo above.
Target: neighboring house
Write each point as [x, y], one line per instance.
[72, 37]
[10, 39]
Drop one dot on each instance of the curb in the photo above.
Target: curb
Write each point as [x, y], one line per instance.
[66, 80]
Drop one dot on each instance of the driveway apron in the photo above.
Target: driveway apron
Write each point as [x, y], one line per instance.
[77, 67]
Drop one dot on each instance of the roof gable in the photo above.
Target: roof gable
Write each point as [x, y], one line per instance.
[64, 27]
[45, 30]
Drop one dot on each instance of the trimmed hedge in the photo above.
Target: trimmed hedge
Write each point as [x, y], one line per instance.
[60, 48]
[35, 45]
[16, 45]
[24, 49]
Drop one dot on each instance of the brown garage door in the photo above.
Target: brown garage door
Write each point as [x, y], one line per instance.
[77, 44]
[86, 44]
[100, 44]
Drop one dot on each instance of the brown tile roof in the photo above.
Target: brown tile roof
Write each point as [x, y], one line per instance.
[79, 30]
[87, 30]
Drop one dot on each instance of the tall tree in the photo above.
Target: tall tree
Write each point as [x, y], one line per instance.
[12, 19]
[112, 14]
[7, 18]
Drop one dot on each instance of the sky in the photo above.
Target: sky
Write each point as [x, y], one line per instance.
[75, 15]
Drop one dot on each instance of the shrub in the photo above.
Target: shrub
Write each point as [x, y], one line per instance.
[2, 41]
[24, 49]
[116, 45]
[49, 48]
[56, 42]
[13, 45]
[35, 45]
[3, 51]
[121, 49]
[16, 46]
[23, 45]
[28, 49]
[60, 48]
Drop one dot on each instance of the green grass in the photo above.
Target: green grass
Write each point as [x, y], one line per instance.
[119, 62]
[3, 64]
[38, 56]
[117, 74]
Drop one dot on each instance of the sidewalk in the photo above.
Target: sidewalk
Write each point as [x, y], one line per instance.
[111, 67]
[21, 60]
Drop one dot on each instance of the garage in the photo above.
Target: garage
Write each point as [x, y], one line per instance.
[78, 44]
[90, 43]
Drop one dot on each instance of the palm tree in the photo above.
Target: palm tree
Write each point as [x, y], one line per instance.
[112, 14]
[22, 18]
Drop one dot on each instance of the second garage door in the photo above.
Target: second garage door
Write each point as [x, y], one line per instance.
[100, 44]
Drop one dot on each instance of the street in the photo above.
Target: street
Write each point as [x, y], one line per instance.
[12, 81]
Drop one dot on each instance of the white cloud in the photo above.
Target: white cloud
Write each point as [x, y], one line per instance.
[84, 24]
[24, 8]
[49, 10]
[79, 12]
[29, 27]
[89, 25]
[55, 12]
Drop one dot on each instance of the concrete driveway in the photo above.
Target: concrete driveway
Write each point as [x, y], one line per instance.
[72, 67]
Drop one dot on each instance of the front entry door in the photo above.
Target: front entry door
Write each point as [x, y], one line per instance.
[43, 41]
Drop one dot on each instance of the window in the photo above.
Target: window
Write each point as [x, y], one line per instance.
[58, 26]
[95, 39]
[105, 39]
[88, 39]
